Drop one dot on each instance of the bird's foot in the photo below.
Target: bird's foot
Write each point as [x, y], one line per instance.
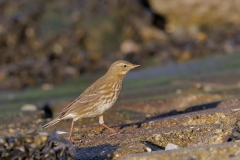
[115, 134]
[71, 139]
[112, 130]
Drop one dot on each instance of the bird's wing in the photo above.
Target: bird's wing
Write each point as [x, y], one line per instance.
[88, 98]
[90, 94]
[82, 100]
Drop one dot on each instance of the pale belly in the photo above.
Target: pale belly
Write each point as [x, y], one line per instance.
[91, 113]
[101, 109]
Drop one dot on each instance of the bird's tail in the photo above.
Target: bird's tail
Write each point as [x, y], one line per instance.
[51, 123]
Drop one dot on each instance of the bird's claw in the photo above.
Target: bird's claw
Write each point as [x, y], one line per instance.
[71, 139]
[115, 134]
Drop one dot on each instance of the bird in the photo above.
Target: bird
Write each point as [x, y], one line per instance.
[97, 98]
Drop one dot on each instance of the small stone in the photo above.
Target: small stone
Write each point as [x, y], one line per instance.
[156, 138]
[218, 131]
[32, 145]
[12, 130]
[30, 131]
[148, 116]
[147, 149]
[217, 122]
[43, 138]
[21, 148]
[37, 140]
[171, 146]
[61, 132]
[2, 140]
[28, 140]
[29, 108]
[116, 155]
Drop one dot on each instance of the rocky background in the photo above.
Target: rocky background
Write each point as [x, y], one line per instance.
[168, 110]
[50, 42]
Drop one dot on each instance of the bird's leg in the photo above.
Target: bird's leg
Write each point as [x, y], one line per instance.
[101, 122]
[70, 133]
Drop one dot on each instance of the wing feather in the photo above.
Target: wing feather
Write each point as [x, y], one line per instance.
[80, 101]
[89, 95]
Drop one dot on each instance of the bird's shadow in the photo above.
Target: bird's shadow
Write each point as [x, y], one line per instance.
[194, 108]
[100, 152]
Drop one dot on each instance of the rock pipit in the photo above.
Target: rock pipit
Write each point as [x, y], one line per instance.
[97, 98]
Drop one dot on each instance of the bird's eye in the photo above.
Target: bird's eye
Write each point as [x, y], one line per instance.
[125, 66]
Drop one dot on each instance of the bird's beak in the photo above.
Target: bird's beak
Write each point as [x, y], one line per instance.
[134, 66]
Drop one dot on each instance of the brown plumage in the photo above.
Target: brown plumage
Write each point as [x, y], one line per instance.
[97, 98]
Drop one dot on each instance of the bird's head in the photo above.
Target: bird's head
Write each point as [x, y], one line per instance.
[121, 67]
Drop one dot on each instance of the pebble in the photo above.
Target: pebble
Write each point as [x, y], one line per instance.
[147, 149]
[171, 146]
[29, 108]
